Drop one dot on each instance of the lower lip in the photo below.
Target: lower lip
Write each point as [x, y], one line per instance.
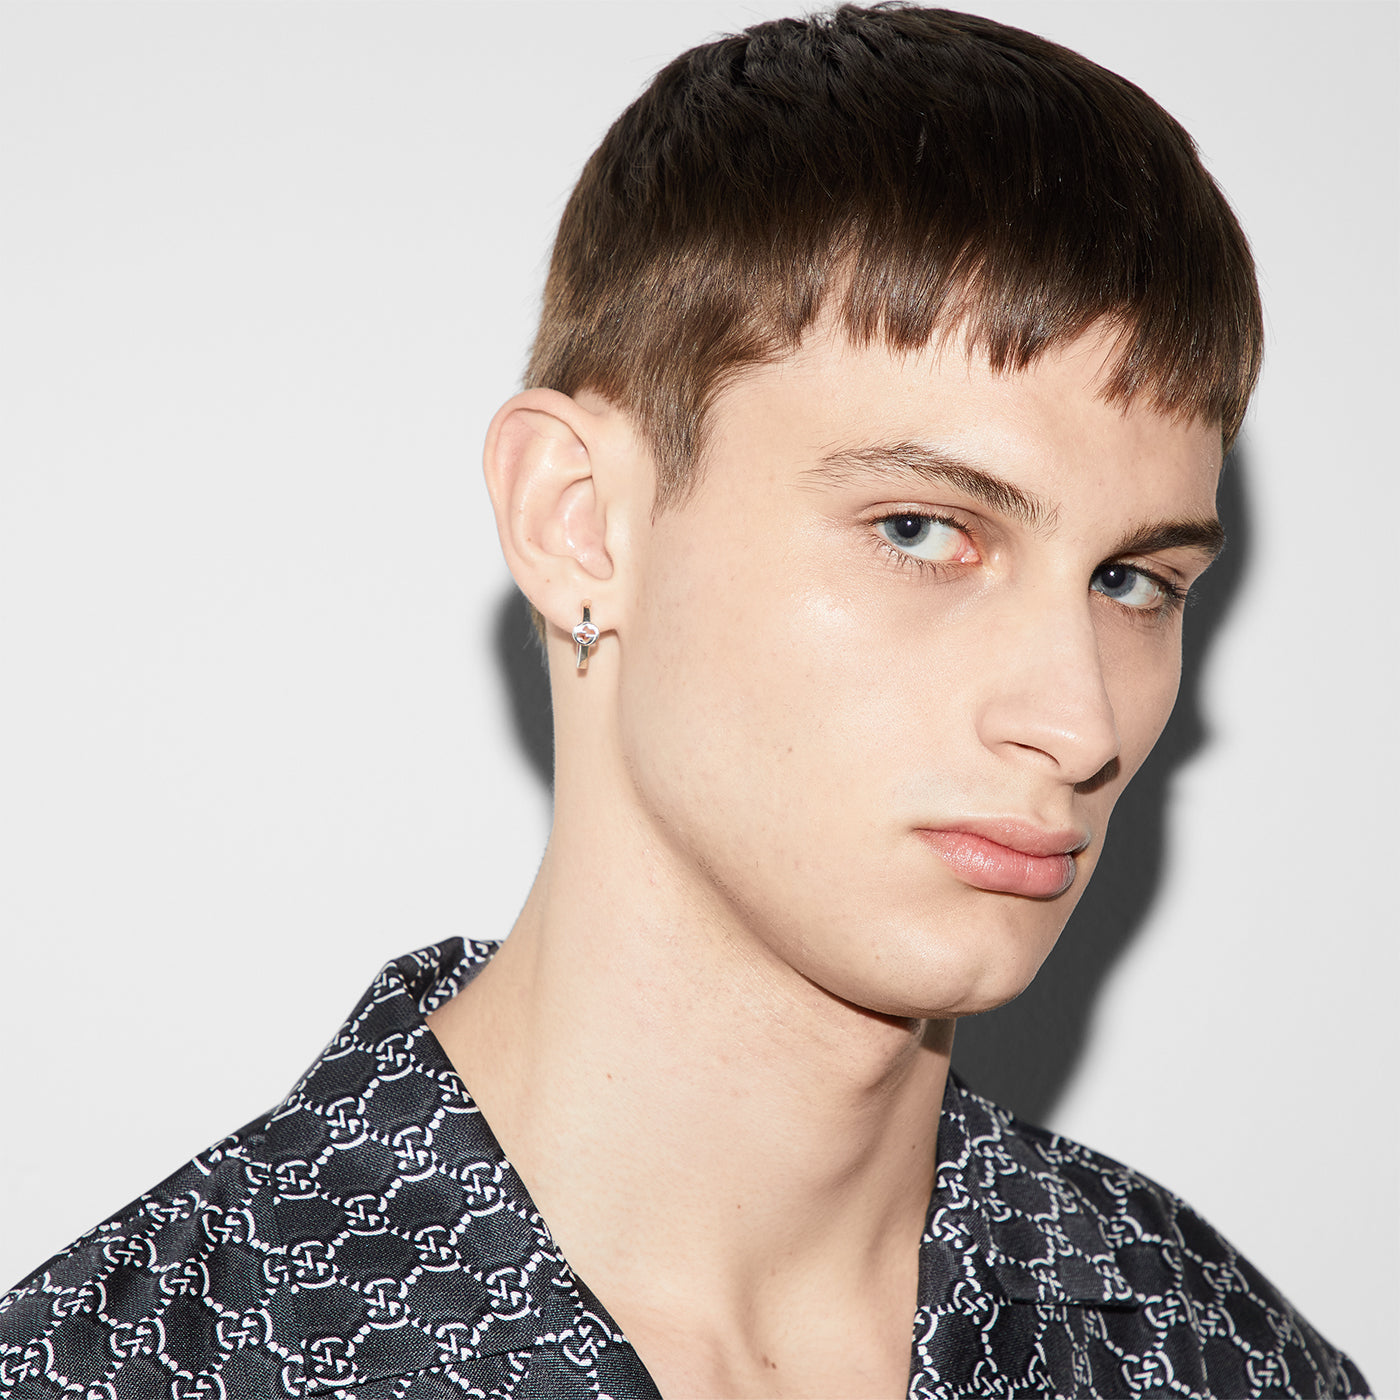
[988, 865]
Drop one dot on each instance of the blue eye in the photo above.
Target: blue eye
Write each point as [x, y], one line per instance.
[924, 537]
[1129, 586]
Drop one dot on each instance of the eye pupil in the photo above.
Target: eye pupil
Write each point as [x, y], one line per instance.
[1114, 576]
[909, 527]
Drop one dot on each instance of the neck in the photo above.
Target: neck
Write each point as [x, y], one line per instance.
[695, 1119]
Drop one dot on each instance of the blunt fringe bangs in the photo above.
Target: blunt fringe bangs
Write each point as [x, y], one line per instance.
[935, 173]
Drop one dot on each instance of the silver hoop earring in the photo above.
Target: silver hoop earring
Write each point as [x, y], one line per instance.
[585, 635]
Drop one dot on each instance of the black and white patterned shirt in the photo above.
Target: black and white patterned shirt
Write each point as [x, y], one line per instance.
[367, 1239]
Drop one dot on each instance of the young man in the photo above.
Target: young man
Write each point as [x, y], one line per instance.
[869, 452]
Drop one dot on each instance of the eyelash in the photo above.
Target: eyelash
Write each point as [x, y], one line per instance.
[1174, 597]
[903, 557]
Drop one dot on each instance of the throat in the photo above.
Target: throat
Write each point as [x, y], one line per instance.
[749, 1216]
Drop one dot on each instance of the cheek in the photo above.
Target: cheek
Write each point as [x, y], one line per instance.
[695, 704]
[754, 688]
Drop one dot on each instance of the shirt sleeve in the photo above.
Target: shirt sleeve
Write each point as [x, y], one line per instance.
[178, 1294]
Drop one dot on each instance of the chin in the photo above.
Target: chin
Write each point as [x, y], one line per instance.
[956, 972]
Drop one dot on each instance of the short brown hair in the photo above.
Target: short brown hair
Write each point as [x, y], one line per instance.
[934, 171]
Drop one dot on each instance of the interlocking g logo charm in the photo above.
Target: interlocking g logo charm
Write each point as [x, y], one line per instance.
[483, 1191]
[413, 1153]
[508, 1289]
[344, 1125]
[455, 1341]
[235, 1227]
[394, 1056]
[91, 1297]
[145, 1338]
[135, 1253]
[384, 1303]
[252, 1329]
[311, 1264]
[436, 1250]
[188, 1277]
[329, 1360]
[295, 1179]
[586, 1342]
[1147, 1375]
[31, 1364]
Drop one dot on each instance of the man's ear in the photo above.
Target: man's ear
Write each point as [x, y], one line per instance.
[547, 470]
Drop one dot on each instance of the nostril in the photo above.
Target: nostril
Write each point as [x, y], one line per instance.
[1104, 776]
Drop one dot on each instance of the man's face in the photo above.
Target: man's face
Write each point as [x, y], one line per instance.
[890, 666]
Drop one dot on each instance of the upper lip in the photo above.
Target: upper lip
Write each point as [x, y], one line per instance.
[1029, 838]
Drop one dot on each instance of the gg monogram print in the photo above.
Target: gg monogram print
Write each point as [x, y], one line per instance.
[367, 1239]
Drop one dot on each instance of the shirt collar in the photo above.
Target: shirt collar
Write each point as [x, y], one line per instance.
[1044, 1220]
[410, 1241]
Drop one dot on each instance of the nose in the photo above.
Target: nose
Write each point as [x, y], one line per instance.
[1046, 697]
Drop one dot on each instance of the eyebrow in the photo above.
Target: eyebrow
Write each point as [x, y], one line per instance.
[1203, 533]
[915, 459]
[1206, 535]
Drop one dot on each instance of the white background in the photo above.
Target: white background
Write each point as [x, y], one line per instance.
[265, 272]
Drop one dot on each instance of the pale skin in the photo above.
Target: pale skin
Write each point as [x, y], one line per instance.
[715, 1043]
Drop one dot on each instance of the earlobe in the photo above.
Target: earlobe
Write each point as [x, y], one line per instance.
[542, 462]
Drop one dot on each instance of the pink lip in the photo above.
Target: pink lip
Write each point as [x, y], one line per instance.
[1009, 857]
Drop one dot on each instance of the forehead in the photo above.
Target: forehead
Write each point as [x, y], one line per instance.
[1047, 427]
